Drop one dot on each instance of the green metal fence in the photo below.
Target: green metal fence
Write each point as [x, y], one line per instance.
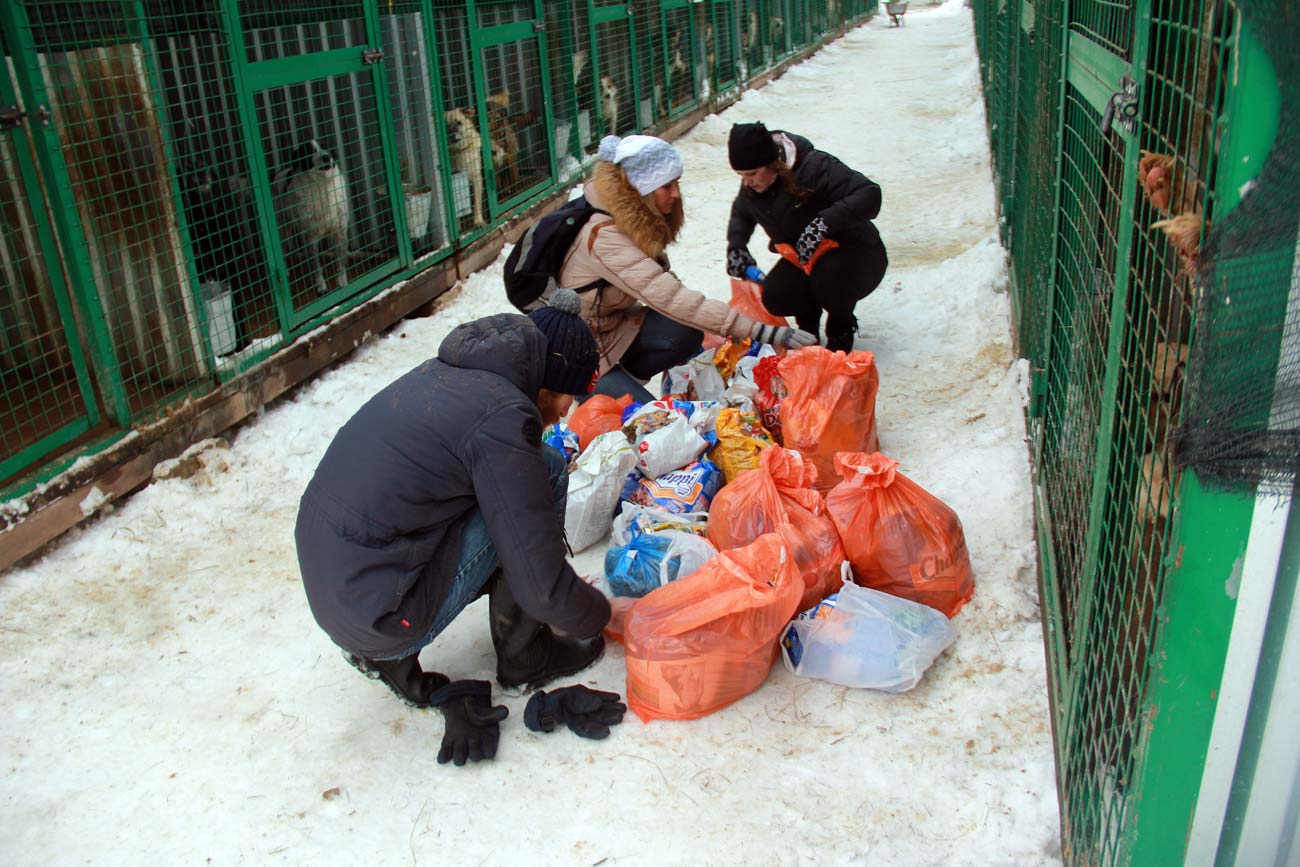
[188, 185]
[1107, 128]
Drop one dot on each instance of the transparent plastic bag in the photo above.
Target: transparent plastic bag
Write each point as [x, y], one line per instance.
[866, 639]
[653, 559]
[655, 520]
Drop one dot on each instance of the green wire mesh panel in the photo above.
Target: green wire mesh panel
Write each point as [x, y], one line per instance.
[651, 108]
[679, 80]
[721, 43]
[1032, 214]
[411, 97]
[1186, 60]
[616, 100]
[333, 209]
[229, 255]
[566, 29]
[1109, 23]
[520, 152]
[97, 68]
[46, 398]
[460, 116]
[755, 52]
[779, 34]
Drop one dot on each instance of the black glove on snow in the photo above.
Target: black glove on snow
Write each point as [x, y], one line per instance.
[811, 238]
[472, 722]
[587, 712]
[738, 259]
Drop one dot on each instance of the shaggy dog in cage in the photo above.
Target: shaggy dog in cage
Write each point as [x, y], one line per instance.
[776, 32]
[609, 103]
[466, 148]
[312, 207]
[677, 68]
[709, 56]
[750, 37]
[503, 132]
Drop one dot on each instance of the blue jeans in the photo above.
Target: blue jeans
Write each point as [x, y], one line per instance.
[478, 557]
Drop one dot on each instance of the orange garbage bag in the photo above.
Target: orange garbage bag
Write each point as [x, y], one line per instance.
[778, 497]
[900, 538]
[747, 297]
[619, 608]
[600, 414]
[704, 641]
[830, 406]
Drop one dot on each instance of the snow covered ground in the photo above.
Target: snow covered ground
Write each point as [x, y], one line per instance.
[168, 697]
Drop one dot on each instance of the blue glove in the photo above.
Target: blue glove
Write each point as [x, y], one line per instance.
[811, 238]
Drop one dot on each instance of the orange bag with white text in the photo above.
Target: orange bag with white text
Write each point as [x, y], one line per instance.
[704, 641]
[599, 414]
[830, 406]
[778, 497]
[900, 539]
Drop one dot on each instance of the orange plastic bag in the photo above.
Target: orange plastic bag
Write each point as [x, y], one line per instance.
[778, 497]
[830, 406]
[704, 641]
[726, 357]
[600, 414]
[747, 297]
[900, 538]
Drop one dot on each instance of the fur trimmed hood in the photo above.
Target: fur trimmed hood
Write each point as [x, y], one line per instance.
[651, 231]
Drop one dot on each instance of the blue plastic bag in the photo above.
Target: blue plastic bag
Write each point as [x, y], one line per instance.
[559, 437]
[633, 569]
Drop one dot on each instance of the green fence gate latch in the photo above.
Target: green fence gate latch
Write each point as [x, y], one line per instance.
[1122, 107]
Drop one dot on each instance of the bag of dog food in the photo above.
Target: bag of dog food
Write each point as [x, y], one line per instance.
[899, 538]
[830, 406]
[778, 497]
[740, 439]
[594, 488]
[767, 401]
[663, 439]
[706, 640]
[690, 489]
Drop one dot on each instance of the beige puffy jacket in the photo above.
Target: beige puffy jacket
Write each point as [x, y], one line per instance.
[626, 249]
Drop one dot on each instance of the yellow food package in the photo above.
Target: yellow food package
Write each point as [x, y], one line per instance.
[741, 437]
[727, 355]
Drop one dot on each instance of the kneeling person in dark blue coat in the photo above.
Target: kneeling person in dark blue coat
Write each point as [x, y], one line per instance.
[438, 490]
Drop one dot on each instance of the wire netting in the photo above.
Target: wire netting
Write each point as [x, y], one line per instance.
[1241, 429]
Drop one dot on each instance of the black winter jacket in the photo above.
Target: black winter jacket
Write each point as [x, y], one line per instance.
[847, 200]
[379, 525]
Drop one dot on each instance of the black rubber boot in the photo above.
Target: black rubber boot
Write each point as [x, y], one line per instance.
[529, 655]
[404, 677]
[840, 342]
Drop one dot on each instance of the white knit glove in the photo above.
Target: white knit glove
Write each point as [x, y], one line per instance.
[781, 335]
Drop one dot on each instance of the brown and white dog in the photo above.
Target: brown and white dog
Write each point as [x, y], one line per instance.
[465, 147]
[609, 103]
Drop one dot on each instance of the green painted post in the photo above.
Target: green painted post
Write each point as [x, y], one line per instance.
[63, 207]
[548, 111]
[392, 168]
[440, 124]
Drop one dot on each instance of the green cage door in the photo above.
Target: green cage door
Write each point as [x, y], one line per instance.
[681, 93]
[327, 183]
[46, 396]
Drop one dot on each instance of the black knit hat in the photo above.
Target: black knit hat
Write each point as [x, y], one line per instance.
[750, 146]
[572, 356]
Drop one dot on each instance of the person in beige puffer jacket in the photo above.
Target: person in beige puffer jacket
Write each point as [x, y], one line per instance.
[644, 320]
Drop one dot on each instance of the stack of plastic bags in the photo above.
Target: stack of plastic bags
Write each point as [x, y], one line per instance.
[750, 492]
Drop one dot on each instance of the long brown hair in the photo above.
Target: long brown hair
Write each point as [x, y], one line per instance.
[789, 183]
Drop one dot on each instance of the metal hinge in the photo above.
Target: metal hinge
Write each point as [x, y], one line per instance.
[1122, 108]
[371, 56]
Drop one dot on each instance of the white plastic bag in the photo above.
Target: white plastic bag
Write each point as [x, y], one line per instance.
[663, 439]
[648, 518]
[706, 382]
[594, 488]
[686, 553]
[866, 639]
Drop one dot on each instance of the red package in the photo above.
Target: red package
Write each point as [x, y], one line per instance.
[768, 399]
[900, 538]
[830, 406]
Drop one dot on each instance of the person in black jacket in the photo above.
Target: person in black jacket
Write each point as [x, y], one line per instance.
[440, 489]
[817, 213]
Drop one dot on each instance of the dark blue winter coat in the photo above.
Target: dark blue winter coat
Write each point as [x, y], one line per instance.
[379, 525]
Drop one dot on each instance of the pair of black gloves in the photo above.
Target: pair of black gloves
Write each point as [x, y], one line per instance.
[473, 723]
[812, 236]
